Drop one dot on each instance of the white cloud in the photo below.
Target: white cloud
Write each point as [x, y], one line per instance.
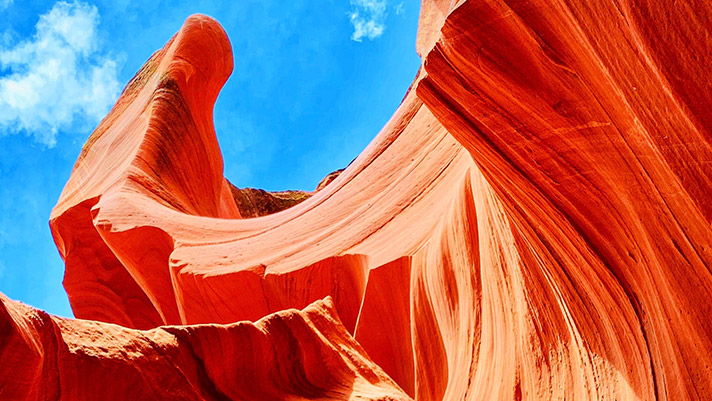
[400, 8]
[368, 18]
[58, 78]
[5, 4]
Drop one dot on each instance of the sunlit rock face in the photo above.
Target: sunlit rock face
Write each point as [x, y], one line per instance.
[532, 223]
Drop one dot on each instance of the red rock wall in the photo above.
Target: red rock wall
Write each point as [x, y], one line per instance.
[532, 223]
[591, 131]
[303, 354]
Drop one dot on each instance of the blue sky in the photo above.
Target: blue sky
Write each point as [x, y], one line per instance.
[314, 81]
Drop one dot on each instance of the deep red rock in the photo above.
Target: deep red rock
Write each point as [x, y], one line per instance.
[532, 223]
[303, 354]
[590, 122]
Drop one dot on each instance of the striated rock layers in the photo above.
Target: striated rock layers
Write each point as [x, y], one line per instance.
[532, 223]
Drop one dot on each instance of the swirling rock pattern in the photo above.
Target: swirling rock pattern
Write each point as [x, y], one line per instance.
[590, 122]
[532, 223]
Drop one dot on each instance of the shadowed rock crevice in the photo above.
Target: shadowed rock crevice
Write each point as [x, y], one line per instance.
[253, 202]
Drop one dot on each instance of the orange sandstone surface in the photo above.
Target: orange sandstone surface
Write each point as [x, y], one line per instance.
[533, 223]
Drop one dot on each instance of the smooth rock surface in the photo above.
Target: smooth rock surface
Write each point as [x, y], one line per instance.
[288, 355]
[532, 223]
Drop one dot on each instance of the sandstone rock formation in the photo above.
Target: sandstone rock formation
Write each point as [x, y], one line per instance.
[253, 202]
[305, 354]
[532, 223]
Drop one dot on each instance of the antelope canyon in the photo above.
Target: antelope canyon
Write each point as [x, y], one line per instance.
[533, 223]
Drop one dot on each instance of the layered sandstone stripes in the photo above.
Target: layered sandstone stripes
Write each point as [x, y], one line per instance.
[532, 223]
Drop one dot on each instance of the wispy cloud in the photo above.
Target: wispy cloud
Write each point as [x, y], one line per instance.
[400, 8]
[59, 77]
[368, 18]
[5, 4]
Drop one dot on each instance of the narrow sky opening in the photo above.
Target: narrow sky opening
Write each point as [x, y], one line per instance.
[313, 84]
[306, 97]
